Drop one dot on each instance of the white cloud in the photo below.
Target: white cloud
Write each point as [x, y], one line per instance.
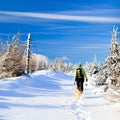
[61, 17]
[90, 46]
[94, 12]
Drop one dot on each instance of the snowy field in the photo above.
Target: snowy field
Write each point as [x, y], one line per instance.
[50, 96]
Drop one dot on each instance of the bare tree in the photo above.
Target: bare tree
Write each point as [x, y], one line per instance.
[42, 62]
[12, 59]
[58, 64]
[28, 54]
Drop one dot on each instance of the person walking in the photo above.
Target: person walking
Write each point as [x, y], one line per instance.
[80, 76]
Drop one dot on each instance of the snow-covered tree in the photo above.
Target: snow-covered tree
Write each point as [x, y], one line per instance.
[113, 61]
[93, 67]
[115, 45]
[57, 64]
[109, 72]
[12, 59]
[69, 68]
[41, 61]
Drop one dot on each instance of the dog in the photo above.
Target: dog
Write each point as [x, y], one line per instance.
[78, 92]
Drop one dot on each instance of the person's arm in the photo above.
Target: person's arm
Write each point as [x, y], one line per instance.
[75, 75]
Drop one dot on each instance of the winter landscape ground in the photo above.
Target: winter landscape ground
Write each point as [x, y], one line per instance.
[47, 95]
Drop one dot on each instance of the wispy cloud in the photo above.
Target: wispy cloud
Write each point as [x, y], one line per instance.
[94, 12]
[90, 46]
[80, 18]
[95, 46]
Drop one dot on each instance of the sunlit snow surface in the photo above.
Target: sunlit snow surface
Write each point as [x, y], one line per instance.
[48, 95]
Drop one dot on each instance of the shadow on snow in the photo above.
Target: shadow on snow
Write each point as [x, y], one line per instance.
[3, 105]
[28, 86]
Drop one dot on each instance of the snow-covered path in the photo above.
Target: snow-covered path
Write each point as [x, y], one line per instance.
[94, 107]
[47, 95]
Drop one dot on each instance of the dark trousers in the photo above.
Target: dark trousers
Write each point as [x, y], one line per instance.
[80, 83]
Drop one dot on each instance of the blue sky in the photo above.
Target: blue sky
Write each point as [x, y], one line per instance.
[77, 29]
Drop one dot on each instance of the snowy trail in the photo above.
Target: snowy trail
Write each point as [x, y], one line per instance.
[92, 106]
[47, 95]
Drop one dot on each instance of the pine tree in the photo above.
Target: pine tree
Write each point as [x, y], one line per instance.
[113, 61]
[115, 46]
[109, 71]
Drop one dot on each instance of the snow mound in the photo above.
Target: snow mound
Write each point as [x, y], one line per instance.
[42, 80]
[53, 74]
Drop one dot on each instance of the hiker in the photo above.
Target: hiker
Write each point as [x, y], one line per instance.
[79, 77]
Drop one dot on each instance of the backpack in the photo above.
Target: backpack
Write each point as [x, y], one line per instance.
[79, 73]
